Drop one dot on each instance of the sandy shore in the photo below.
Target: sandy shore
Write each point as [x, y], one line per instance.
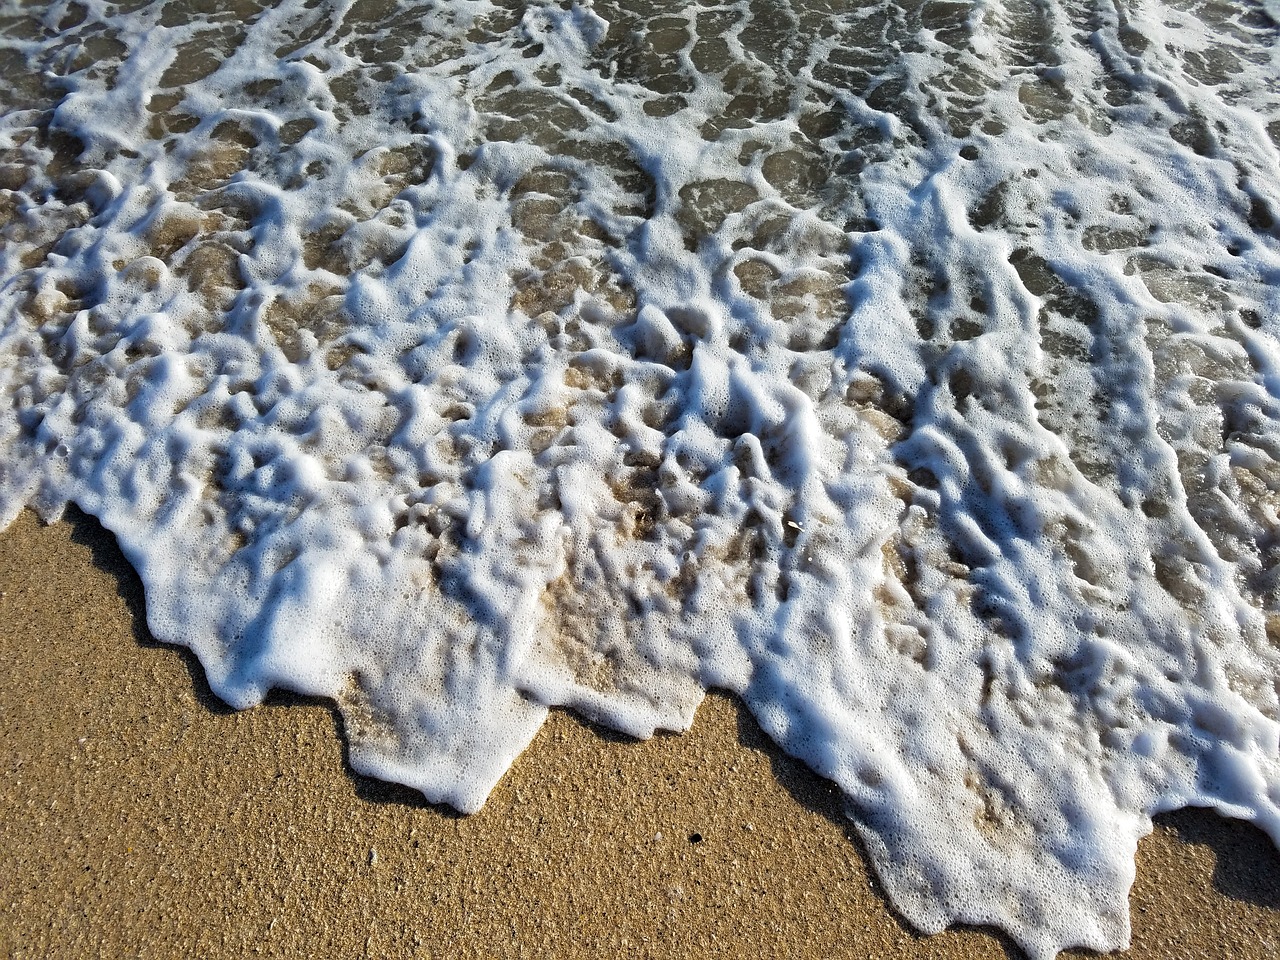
[140, 818]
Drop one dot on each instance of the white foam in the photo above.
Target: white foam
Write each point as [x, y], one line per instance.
[909, 370]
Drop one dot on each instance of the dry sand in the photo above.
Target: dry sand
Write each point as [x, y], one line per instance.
[140, 818]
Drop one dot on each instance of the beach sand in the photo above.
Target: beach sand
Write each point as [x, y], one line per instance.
[139, 817]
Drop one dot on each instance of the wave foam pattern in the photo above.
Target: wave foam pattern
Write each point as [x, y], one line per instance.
[910, 369]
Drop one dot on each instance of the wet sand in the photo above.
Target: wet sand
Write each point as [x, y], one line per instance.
[140, 817]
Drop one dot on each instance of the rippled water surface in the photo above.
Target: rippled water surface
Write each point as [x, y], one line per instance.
[911, 369]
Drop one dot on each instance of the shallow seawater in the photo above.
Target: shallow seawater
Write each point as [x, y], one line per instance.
[910, 369]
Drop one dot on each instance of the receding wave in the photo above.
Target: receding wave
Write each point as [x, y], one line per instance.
[910, 369]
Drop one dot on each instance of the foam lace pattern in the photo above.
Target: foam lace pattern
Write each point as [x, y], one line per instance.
[910, 369]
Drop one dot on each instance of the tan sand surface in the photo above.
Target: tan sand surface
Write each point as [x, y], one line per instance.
[140, 818]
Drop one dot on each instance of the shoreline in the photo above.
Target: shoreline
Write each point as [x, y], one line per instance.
[151, 820]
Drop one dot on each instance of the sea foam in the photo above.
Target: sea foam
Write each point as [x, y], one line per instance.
[909, 369]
